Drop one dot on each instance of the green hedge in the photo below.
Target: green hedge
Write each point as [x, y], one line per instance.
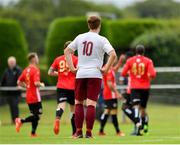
[163, 46]
[122, 32]
[62, 30]
[12, 43]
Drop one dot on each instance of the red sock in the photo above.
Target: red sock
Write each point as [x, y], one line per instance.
[90, 117]
[79, 117]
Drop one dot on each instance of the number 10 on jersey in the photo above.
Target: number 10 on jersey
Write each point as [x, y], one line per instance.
[87, 49]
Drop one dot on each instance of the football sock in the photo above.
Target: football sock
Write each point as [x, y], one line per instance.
[28, 119]
[35, 124]
[145, 120]
[79, 117]
[73, 123]
[59, 113]
[104, 118]
[136, 115]
[115, 123]
[129, 113]
[90, 118]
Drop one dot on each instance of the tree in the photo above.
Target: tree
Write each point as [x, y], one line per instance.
[36, 15]
[155, 9]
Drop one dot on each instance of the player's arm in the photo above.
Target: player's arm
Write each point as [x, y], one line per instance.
[37, 81]
[39, 84]
[110, 62]
[21, 84]
[151, 70]
[120, 62]
[125, 69]
[21, 81]
[113, 88]
[52, 72]
[68, 54]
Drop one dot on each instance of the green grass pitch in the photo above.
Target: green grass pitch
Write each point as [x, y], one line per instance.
[164, 128]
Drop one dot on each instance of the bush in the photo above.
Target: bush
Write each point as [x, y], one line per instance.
[60, 31]
[122, 32]
[163, 46]
[12, 43]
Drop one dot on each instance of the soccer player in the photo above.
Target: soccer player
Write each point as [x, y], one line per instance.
[30, 79]
[111, 96]
[65, 87]
[141, 70]
[91, 48]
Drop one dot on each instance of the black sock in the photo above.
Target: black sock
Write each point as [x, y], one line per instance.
[59, 112]
[73, 124]
[115, 122]
[129, 113]
[35, 124]
[104, 118]
[28, 119]
[145, 120]
[136, 116]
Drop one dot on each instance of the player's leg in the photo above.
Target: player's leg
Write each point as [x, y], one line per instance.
[103, 120]
[61, 100]
[79, 118]
[115, 122]
[80, 95]
[37, 111]
[143, 105]
[35, 122]
[93, 90]
[28, 119]
[73, 119]
[145, 120]
[71, 101]
[59, 112]
[128, 111]
[127, 107]
[135, 96]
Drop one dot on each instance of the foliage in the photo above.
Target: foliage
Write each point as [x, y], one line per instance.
[36, 15]
[122, 32]
[60, 31]
[12, 43]
[163, 46]
[154, 9]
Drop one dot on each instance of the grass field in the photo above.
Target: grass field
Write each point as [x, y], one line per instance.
[164, 128]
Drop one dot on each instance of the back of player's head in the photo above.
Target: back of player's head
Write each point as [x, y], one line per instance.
[31, 56]
[66, 44]
[94, 22]
[140, 49]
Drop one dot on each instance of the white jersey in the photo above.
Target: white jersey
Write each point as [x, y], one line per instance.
[91, 48]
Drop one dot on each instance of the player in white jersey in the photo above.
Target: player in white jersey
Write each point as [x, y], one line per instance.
[91, 48]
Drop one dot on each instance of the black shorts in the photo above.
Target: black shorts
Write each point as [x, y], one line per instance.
[111, 104]
[140, 97]
[35, 108]
[64, 95]
[127, 98]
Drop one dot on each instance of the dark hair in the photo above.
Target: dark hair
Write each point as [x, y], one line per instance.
[94, 22]
[31, 55]
[140, 49]
[66, 44]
